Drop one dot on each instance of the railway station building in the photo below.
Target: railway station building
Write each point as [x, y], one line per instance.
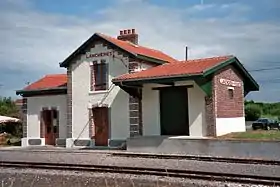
[115, 88]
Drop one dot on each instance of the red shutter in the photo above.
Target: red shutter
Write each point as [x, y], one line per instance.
[92, 76]
[96, 74]
[42, 125]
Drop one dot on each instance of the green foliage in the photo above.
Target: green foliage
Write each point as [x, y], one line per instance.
[8, 107]
[270, 110]
[252, 112]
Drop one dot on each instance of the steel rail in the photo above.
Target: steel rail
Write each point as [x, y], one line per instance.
[198, 158]
[256, 161]
[163, 172]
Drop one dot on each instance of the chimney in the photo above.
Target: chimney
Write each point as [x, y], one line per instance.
[129, 35]
[186, 53]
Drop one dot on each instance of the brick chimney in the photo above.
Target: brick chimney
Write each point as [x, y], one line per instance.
[129, 35]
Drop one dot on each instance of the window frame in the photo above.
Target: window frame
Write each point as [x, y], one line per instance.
[99, 73]
[230, 93]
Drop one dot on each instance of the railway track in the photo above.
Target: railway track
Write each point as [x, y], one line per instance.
[255, 161]
[198, 158]
[163, 172]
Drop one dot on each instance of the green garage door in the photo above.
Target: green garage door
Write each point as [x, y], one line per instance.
[174, 116]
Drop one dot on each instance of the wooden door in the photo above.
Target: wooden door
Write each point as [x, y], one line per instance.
[55, 123]
[174, 117]
[101, 126]
[49, 131]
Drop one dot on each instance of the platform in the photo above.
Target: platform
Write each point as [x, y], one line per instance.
[205, 146]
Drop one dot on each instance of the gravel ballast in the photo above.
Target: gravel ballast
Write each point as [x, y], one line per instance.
[49, 178]
[106, 159]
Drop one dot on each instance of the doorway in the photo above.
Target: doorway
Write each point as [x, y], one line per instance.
[174, 117]
[101, 125]
[50, 125]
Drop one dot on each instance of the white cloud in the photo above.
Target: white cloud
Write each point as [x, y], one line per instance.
[39, 41]
[201, 7]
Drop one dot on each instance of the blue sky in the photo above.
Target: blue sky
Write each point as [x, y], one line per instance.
[36, 35]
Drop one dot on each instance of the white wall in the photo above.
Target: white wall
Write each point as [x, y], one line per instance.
[35, 105]
[196, 109]
[228, 125]
[120, 117]
[151, 110]
[82, 97]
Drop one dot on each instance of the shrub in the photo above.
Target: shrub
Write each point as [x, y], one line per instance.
[252, 112]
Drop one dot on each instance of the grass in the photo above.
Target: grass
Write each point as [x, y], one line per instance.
[273, 135]
[269, 116]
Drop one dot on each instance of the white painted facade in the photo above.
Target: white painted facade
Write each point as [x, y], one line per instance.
[151, 109]
[83, 99]
[228, 125]
[35, 106]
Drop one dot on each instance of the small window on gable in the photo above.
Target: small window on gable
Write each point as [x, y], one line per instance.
[230, 92]
[99, 75]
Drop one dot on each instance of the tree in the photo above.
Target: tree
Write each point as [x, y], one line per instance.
[8, 107]
[252, 112]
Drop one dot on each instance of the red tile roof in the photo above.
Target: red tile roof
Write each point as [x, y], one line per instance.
[138, 50]
[48, 82]
[190, 67]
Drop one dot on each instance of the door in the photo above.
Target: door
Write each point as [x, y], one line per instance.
[49, 134]
[174, 117]
[101, 126]
[55, 123]
[50, 126]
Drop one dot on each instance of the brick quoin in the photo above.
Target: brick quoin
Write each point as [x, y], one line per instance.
[69, 102]
[225, 106]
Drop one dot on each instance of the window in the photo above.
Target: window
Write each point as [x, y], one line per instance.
[99, 75]
[230, 93]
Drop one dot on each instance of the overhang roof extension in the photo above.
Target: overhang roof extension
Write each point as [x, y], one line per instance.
[191, 69]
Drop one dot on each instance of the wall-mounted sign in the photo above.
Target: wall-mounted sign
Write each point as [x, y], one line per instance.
[230, 83]
[102, 54]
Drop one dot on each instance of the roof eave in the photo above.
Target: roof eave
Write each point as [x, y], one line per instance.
[34, 91]
[255, 86]
[150, 59]
[65, 63]
[155, 79]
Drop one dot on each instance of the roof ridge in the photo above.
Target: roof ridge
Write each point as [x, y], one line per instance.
[209, 58]
[128, 42]
[58, 74]
[159, 52]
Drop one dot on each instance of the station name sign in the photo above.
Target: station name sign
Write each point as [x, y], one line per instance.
[102, 54]
[230, 83]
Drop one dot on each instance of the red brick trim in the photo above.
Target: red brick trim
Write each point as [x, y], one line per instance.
[69, 102]
[24, 119]
[220, 105]
[229, 107]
